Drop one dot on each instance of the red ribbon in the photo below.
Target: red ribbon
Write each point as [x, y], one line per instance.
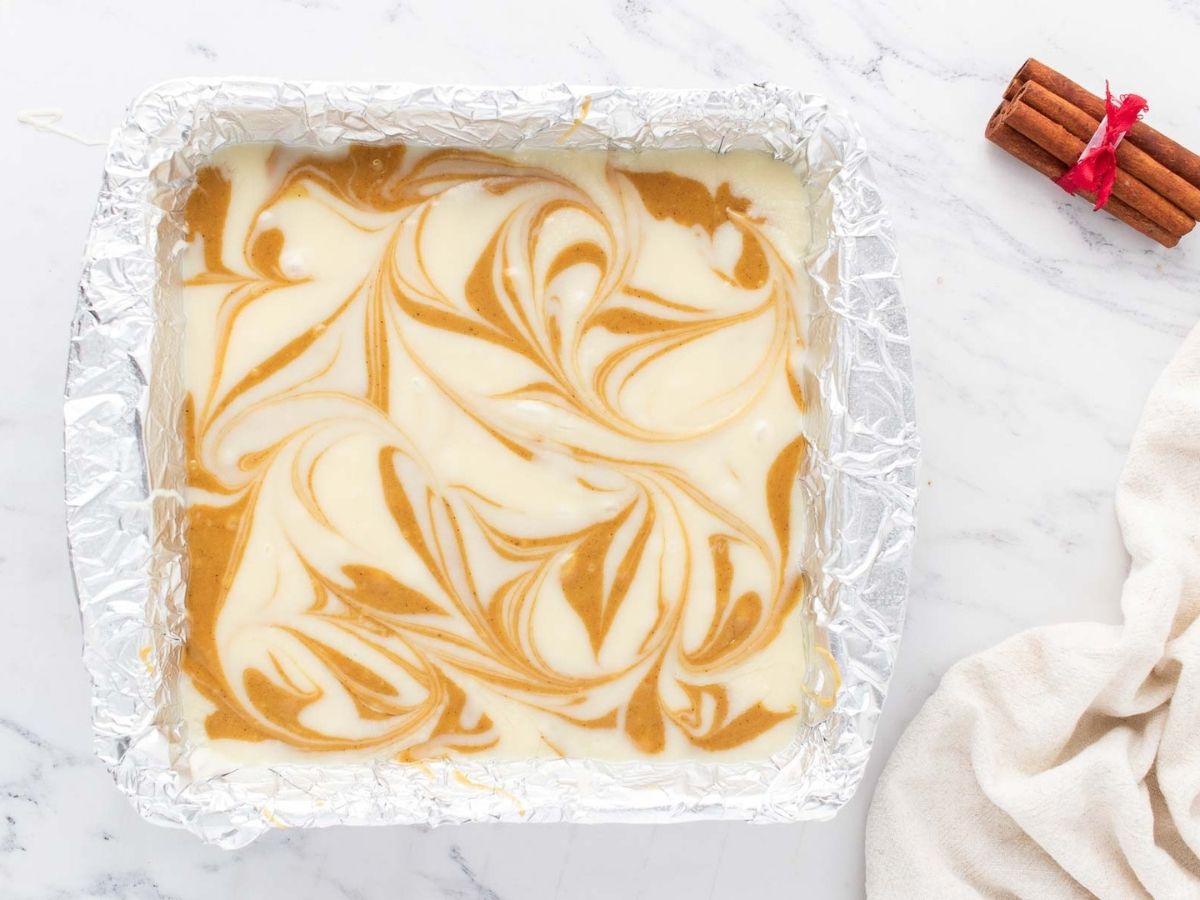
[1097, 166]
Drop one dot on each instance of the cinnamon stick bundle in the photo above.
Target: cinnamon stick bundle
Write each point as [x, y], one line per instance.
[1046, 121]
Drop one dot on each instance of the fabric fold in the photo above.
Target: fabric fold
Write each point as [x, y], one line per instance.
[1065, 762]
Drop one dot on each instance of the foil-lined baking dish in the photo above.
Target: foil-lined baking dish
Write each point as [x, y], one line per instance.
[125, 459]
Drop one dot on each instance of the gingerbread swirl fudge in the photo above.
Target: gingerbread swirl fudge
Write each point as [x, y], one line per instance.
[497, 454]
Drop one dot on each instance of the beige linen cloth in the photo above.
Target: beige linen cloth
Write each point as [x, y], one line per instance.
[1066, 761]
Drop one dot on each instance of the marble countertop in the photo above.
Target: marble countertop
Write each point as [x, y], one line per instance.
[1037, 328]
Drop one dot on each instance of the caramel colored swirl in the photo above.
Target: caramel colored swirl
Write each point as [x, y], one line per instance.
[496, 454]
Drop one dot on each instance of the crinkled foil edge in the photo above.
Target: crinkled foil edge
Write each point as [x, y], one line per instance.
[123, 460]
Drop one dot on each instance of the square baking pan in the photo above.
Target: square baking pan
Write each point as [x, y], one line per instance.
[125, 464]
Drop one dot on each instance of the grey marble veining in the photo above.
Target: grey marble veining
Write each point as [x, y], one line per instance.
[1037, 328]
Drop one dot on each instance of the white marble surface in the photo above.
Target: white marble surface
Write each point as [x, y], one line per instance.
[1037, 327]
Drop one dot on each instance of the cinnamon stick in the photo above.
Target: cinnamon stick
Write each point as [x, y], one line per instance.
[1021, 147]
[1133, 160]
[1065, 147]
[1155, 144]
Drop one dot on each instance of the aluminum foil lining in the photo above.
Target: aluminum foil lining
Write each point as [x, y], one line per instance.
[124, 455]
